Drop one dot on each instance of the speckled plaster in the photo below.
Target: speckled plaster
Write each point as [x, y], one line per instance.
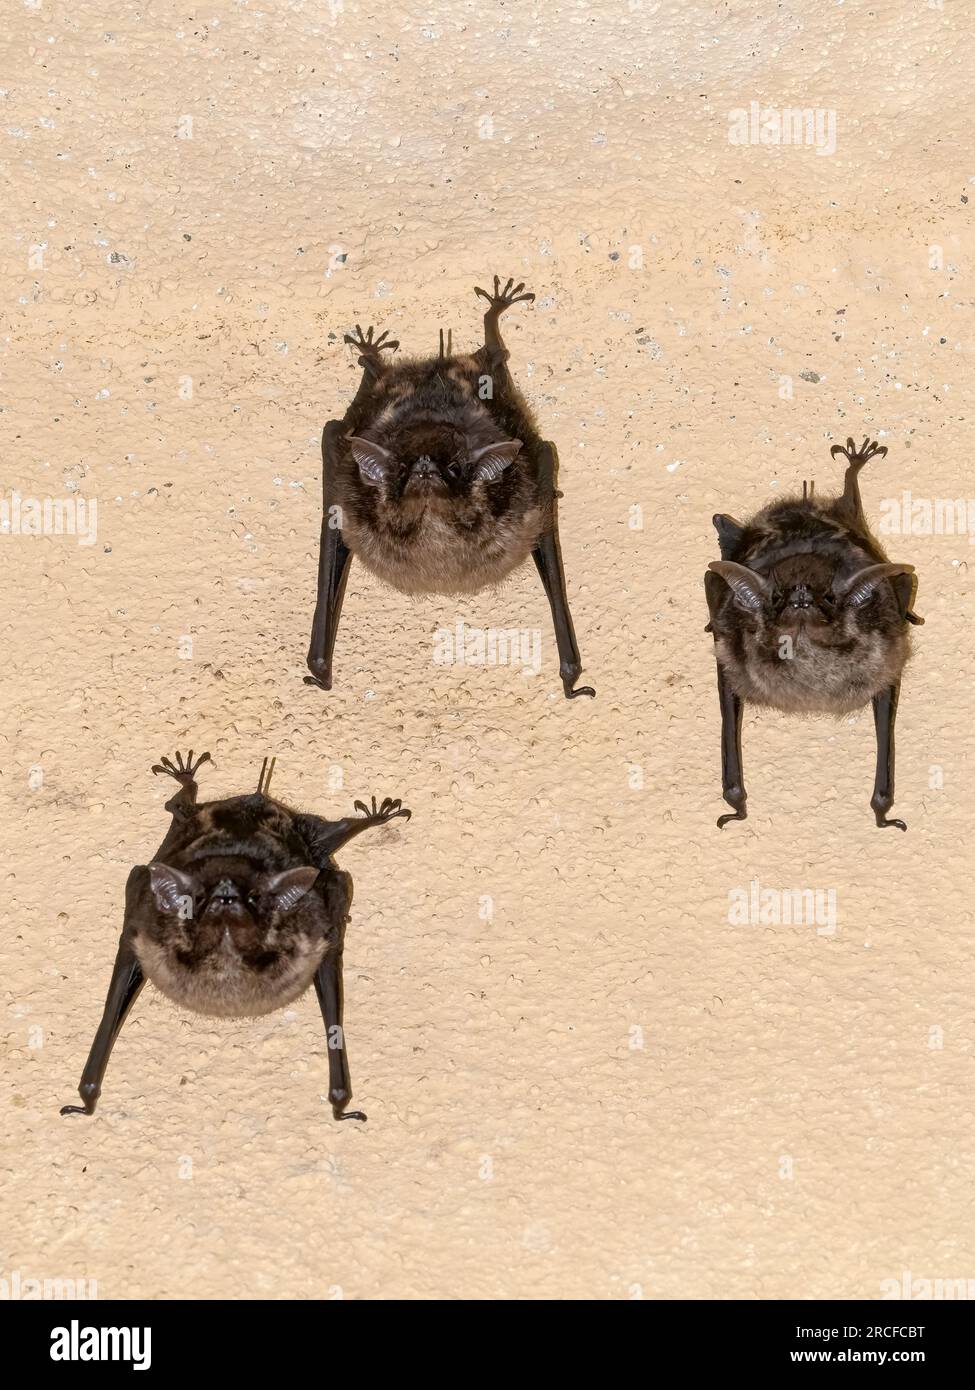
[582, 1080]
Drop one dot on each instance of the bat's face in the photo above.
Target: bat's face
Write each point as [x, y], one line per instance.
[224, 937]
[808, 635]
[800, 600]
[430, 466]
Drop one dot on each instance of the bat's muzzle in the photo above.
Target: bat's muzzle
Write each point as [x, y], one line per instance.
[425, 476]
[226, 899]
[800, 597]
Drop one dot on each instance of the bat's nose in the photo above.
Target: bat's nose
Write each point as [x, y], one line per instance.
[425, 467]
[225, 892]
[801, 596]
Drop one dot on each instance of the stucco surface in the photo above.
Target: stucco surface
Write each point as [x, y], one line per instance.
[582, 1080]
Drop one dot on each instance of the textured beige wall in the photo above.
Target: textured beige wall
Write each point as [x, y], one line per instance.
[134, 259]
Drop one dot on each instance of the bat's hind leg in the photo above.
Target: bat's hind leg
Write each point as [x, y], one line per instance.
[494, 350]
[184, 770]
[371, 349]
[181, 805]
[850, 505]
[373, 366]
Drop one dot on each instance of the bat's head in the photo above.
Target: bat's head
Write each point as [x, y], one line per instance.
[430, 464]
[804, 596]
[808, 634]
[223, 936]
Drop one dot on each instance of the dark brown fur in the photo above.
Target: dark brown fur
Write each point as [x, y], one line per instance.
[240, 910]
[437, 478]
[451, 533]
[809, 616]
[841, 654]
[240, 955]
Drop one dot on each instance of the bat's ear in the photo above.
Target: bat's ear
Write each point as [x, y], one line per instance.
[290, 887]
[861, 586]
[169, 886]
[373, 460]
[490, 462]
[750, 589]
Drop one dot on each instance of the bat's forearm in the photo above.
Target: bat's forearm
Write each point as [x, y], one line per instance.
[334, 563]
[328, 987]
[126, 983]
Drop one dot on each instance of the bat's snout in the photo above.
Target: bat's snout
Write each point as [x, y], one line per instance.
[425, 477]
[225, 892]
[226, 900]
[800, 597]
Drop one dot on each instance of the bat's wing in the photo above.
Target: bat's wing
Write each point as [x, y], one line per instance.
[123, 990]
[548, 561]
[334, 562]
[336, 889]
[729, 532]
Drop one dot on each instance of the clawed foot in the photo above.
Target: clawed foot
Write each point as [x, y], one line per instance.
[503, 299]
[883, 820]
[338, 1098]
[182, 771]
[89, 1092]
[740, 814]
[367, 345]
[321, 673]
[569, 673]
[858, 457]
[388, 810]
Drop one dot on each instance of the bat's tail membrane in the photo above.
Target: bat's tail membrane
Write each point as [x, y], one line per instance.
[264, 781]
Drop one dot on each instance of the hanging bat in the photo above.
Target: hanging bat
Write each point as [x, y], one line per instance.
[809, 616]
[241, 910]
[438, 480]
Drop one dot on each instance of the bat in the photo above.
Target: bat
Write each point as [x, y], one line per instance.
[438, 480]
[809, 616]
[242, 908]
